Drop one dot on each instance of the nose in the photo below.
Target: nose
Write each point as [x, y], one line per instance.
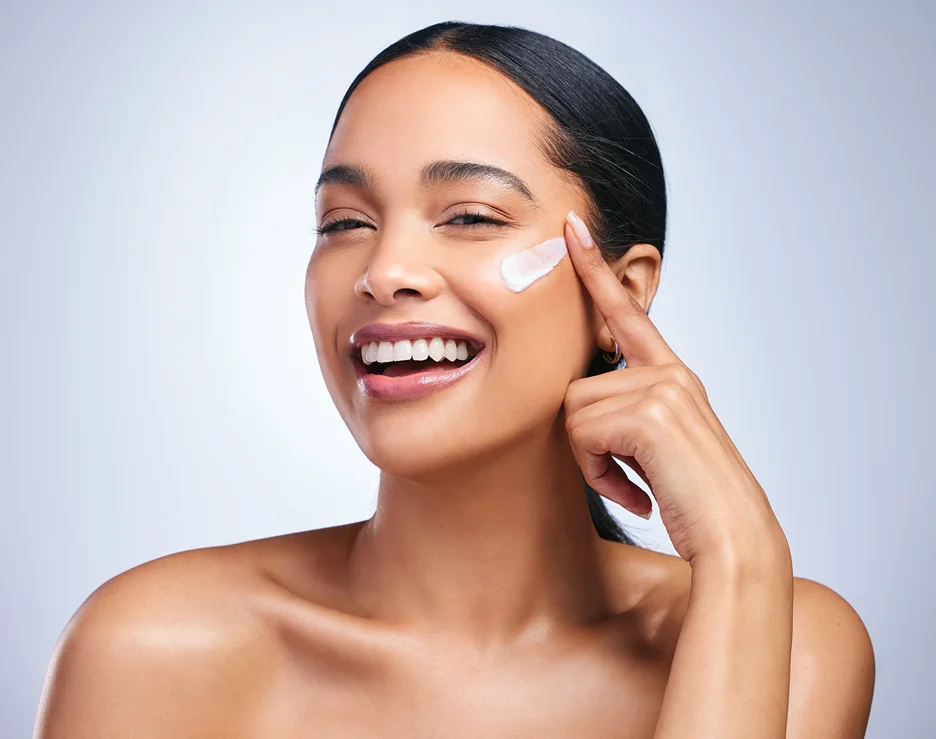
[397, 267]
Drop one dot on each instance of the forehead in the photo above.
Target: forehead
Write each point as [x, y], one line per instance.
[434, 106]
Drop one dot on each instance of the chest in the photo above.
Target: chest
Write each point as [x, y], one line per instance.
[564, 700]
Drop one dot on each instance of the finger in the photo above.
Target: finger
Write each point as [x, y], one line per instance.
[594, 391]
[608, 405]
[627, 494]
[638, 339]
[587, 390]
[601, 472]
[635, 466]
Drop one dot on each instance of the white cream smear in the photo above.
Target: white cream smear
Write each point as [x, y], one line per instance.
[523, 268]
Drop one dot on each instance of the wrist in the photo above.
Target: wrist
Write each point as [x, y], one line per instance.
[764, 555]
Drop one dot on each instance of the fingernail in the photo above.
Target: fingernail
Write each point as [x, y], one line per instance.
[581, 230]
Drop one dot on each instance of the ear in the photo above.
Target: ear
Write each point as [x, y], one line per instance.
[639, 272]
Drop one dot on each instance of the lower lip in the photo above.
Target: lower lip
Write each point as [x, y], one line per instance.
[407, 387]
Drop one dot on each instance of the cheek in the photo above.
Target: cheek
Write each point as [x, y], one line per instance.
[541, 334]
[329, 301]
[319, 303]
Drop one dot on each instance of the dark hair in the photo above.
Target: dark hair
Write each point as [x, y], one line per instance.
[599, 134]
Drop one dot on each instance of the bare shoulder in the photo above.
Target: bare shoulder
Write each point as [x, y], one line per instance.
[832, 670]
[145, 648]
[652, 590]
[143, 652]
[832, 659]
[828, 634]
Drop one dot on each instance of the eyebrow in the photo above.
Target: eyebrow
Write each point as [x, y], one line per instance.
[435, 173]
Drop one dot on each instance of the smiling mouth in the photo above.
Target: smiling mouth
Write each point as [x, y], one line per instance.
[409, 367]
[409, 379]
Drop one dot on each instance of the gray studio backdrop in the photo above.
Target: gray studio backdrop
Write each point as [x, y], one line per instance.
[159, 384]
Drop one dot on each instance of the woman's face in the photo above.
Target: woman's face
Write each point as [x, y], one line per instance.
[400, 247]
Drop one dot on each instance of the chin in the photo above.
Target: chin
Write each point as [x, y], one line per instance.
[413, 456]
[427, 449]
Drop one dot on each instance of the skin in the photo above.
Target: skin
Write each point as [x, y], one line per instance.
[479, 601]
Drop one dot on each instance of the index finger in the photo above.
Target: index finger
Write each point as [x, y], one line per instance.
[636, 335]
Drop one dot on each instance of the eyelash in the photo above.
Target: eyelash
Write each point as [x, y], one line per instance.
[485, 221]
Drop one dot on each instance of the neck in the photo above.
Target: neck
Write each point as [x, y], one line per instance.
[489, 551]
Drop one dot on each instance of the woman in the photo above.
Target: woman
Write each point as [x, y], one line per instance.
[490, 218]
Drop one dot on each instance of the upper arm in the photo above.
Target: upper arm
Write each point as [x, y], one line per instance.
[147, 655]
[832, 667]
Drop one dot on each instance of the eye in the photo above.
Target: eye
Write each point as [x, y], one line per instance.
[334, 226]
[474, 220]
[479, 219]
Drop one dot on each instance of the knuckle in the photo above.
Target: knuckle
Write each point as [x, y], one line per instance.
[572, 395]
[576, 433]
[680, 374]
[656, 410]
[670, 392]
[684, 376]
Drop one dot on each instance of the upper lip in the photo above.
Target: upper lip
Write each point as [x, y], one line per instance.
[410, 330]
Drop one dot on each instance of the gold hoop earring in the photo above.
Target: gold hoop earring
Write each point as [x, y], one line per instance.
[617, 355]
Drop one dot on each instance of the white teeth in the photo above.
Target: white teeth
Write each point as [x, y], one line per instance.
[385, 351]
[419, 350]
[437, 349]
[402, 350]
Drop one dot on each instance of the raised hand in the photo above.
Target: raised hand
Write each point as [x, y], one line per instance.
[654, 416]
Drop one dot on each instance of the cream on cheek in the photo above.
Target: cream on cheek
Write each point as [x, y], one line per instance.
[521, 269]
